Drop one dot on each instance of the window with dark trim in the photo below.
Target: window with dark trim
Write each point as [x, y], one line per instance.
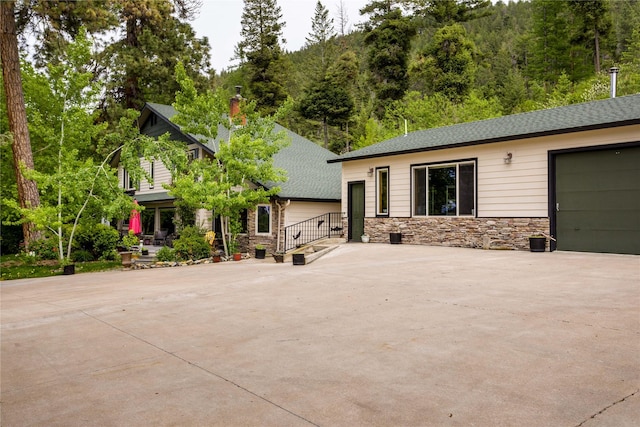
[151, 174]
[263, 219]
[447, 189]
[382, 191]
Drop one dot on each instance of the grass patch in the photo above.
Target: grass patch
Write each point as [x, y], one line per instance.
[25, 267]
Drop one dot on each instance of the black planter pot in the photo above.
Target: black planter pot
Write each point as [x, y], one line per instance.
[68, 270]
[298, 259]
[395, 238]
[260, 253]
[537, 244]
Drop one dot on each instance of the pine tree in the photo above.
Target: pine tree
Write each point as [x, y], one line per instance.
[551, 53]
[140, 66]
[446, 12]
[321, 35]
[261, 55]
[388, 38]
[594, 20]
[28, 195]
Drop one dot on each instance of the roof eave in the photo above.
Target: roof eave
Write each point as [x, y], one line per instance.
[506, 138]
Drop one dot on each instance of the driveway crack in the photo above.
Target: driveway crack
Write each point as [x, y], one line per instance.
[608, 407]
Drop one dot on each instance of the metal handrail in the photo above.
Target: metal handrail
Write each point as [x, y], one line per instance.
[313, 229]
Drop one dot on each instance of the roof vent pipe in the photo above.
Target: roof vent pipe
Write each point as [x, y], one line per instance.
[613, 71]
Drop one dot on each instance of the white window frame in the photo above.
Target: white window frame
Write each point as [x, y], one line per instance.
[270, 219]
[127, 182]
[382, 210]
[455, 164]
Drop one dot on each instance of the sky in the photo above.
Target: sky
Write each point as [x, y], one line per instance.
[219, 20]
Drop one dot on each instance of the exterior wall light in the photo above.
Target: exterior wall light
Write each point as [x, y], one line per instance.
[508, 158]
[370, 172]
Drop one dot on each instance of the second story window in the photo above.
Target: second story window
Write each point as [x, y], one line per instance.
[152, 168]
[127, 181]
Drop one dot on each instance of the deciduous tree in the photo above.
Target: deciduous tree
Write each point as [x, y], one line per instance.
[242, 174]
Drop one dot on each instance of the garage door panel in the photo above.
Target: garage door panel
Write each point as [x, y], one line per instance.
[597, 180]
[598, 197]
[598, 220]
[613, 200]
[608, 241]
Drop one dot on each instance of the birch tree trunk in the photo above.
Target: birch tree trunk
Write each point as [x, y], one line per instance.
[17, 114]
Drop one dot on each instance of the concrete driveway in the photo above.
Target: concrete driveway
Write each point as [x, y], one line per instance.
[369, 335]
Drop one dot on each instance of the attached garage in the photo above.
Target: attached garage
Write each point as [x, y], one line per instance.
[570, 173]
[597, 200]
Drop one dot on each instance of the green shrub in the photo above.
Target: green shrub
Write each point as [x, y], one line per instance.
[44, 248]
[191, 244]
[165, 254]
[82, 256]
[98, 239]
[111, 255]
[130, 239]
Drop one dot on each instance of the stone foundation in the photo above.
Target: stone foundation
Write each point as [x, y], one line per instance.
[485, 233]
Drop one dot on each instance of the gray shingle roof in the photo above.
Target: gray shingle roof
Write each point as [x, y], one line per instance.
[587, 116]
[310, 176]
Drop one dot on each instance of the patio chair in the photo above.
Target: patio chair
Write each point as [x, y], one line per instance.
[160, 237]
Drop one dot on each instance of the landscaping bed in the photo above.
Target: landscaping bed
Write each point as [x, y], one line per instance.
[24, 267]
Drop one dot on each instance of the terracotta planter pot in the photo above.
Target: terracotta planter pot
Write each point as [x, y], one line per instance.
[216, 258]
[126, 259]
[237, 257]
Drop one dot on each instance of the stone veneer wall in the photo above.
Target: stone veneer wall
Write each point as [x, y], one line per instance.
[485, 233]
[249, 241]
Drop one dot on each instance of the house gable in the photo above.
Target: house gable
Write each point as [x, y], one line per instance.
[309, 175]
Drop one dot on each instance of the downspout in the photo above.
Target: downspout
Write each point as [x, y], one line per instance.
[280, 210]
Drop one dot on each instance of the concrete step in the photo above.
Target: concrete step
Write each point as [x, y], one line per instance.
[309, 253]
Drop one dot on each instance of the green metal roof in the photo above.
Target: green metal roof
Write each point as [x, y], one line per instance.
[310, 175]
[602, 114]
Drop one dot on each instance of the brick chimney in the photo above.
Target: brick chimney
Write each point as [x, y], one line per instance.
[234, 106]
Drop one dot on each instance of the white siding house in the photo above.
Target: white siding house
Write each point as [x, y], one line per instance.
[504, 179]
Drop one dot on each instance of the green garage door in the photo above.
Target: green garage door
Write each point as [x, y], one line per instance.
[598, 201]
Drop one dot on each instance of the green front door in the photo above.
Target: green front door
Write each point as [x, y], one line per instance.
[356, 211]
[598, 201]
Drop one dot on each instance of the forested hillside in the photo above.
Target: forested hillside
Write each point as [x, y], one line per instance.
[421, 64]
